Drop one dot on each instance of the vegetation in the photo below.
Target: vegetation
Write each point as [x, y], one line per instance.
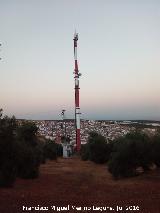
[21, 152]
[96, 150]
[129, 153]
[155, 151]
[28, 151]
[8, 168]
[52, 150]
[125, 155]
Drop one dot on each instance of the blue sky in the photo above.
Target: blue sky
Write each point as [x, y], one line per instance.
[118, 53]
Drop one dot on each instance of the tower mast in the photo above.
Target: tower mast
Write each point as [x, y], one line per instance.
[77, 106]
[0, 45]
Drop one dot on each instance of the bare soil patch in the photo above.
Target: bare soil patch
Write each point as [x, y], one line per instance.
[79, 183]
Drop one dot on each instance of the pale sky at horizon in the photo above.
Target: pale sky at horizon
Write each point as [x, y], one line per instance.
[118, 54]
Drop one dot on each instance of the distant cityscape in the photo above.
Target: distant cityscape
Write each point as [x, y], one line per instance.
[54, 129]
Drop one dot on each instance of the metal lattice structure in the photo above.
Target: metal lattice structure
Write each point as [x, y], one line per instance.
[77, 105]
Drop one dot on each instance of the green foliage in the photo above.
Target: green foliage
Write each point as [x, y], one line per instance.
[141, 147]
[27, 132]
[40, 151]
[85, 152]
[156, 150]
[121, 163]
[28, 161]
[29, 152]
[129, 153]
[8, 174]
[20, 152]
[52, 150]
[8, 168]
[96, 149]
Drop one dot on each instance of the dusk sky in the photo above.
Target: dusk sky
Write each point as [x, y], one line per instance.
[118, 54]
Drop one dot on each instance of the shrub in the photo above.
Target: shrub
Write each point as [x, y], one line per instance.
[40, 152]
[96, 149]
[121, 163]
[20, 151]
[50, 150]
[8, 167]
[129, 153]
[8, 174]
[27, 132]
[84, 152]
[156, 150]
[30, 152]
[28, 161]
[142, 149]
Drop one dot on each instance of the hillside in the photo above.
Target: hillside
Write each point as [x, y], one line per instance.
[77, 183]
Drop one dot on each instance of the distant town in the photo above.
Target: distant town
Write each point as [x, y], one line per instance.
[54, 129]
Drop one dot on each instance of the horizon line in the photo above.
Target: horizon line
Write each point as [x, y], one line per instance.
[89, 119]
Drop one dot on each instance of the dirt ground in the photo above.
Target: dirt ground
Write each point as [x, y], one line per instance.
[72, 185]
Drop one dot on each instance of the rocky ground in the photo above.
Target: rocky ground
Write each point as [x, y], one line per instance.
[72, 185]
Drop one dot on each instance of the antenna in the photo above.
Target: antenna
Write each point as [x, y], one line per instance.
[77, 106]
[63, 118]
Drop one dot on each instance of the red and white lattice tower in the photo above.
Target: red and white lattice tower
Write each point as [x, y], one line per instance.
[77, 106]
